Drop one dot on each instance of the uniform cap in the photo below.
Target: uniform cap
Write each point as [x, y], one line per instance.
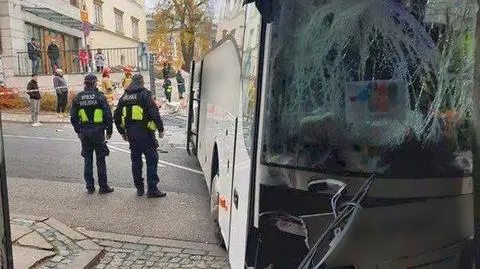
[90, 78]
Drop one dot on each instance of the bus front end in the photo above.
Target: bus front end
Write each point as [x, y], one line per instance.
[365, 141]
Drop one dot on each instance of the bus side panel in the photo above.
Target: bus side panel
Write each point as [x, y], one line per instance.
[220, 100]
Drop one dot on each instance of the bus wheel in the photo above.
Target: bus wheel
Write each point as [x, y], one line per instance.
[214, 210]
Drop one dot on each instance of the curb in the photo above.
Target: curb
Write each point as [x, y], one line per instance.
[113, 239]
[96, 241]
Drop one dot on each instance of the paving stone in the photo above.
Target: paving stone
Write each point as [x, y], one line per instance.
[175, 260]
[26, 257]
[86, 259]
[177, 244]
[64, 229]
[57, 259]
[89, 245]
[127, 263]
[173, 250]
[134, 246]
[35, 240]
[194, 252]
[18, 231]
[112, 244]
[110, 236]
[154, 248]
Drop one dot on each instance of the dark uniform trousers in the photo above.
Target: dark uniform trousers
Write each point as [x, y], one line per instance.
[142, 141]
[95, 143]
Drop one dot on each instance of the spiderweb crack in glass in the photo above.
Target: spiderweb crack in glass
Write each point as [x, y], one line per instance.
[367, 86]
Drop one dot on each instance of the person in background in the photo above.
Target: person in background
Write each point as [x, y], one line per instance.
[34, 93]
[34, 54]
[91, 117]
[61, 89]
[127, 79]
[83, 58]
[90, 58]
[54, 56]
[166, 70]
[137, 118]
[107, 86]
[167, 89]
[180, 84]
[99, 60]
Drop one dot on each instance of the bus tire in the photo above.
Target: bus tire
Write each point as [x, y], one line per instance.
[214, 210]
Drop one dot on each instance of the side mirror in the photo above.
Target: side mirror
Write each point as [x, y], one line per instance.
[264, 7]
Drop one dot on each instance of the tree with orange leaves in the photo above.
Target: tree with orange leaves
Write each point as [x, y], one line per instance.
[185, 20]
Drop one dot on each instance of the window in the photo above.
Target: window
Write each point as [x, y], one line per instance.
[351, 92]
[118, 21]
[98, 13]
[135, 32]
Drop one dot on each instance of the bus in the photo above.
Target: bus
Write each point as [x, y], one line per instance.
[337, 133]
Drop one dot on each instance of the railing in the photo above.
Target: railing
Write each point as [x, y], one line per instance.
[69, 61]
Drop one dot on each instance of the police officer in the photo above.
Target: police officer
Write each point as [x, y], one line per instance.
[91, 116]
[137, 118]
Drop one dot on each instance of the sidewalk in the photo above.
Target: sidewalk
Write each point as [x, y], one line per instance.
[51, 117]
[40, 242]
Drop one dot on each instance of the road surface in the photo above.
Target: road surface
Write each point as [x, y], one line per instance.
[44, 170]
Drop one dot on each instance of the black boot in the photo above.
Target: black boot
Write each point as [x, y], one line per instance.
[140, 188]
[105, 190]
[156, 194]
[90, 190]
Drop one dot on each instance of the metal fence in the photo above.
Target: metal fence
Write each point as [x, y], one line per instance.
[69, 61]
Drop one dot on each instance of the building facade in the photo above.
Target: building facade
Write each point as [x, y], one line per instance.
[116, 23]
[47, 21]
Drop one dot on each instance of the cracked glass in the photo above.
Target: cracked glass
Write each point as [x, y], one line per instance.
[371, 86]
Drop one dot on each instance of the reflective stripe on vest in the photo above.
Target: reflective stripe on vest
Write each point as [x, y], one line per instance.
[83, 116]
[137, 115]
[97, 116]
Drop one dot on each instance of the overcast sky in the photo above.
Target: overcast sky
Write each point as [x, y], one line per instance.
[150, 4]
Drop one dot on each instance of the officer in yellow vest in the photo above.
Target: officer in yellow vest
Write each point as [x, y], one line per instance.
[137, 118]
[91, 117]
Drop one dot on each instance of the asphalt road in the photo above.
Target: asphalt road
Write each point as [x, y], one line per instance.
[45, 177]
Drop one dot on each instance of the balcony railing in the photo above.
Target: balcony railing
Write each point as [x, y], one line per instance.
[69, 61]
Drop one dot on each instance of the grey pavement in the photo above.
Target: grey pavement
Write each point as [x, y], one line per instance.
[44, 170]
[42, 242]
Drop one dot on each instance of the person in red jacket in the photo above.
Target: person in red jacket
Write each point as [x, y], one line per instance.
[84, 59]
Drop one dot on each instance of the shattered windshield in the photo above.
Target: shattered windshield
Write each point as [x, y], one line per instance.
[371, 86]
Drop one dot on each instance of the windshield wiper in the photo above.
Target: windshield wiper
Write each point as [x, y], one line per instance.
[347, 213]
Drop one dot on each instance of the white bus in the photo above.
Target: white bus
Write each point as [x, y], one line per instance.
[336, 133]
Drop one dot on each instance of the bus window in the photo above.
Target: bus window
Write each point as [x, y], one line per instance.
[249, 71]
[371, 86]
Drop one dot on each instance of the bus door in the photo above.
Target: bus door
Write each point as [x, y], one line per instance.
[194, 107]
[227, 203]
